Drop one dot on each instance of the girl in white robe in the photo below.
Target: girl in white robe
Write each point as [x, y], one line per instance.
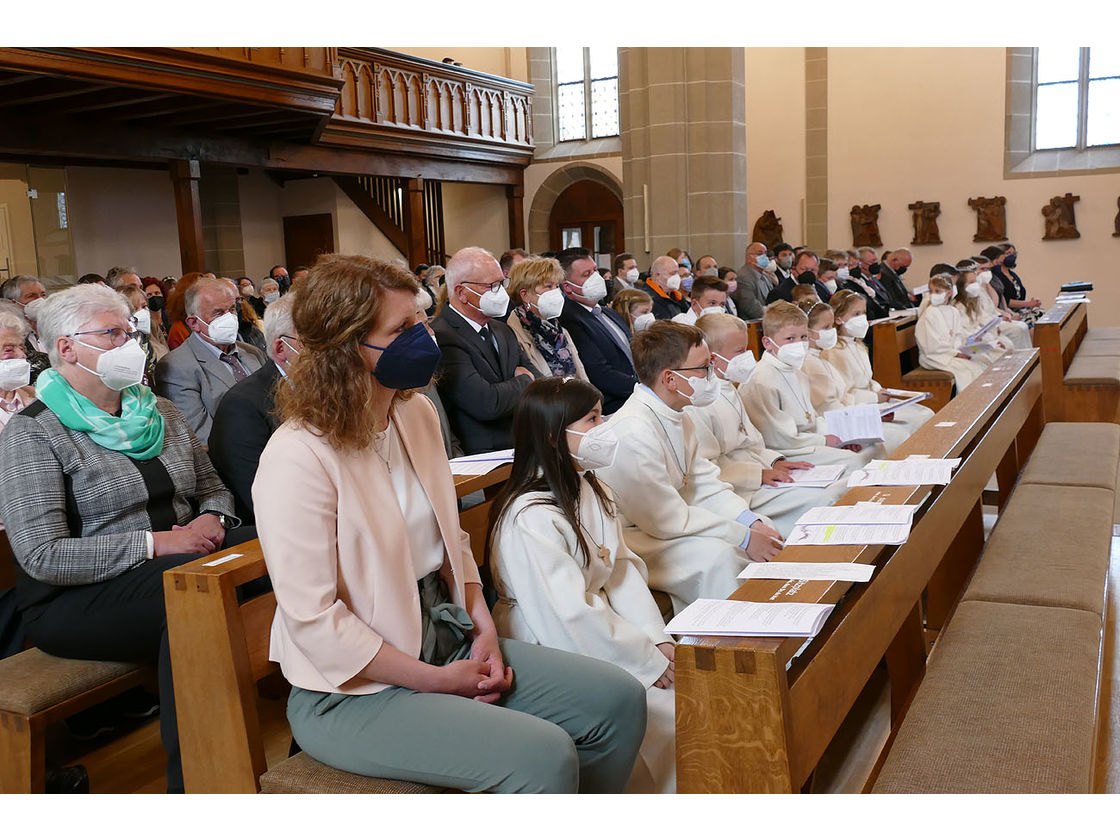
[968, 301]
[852, 363]
[939, 334]
[1014, 335]
[564, 575]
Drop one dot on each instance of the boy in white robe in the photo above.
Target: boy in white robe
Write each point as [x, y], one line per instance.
[709, 295]
[777, 396]
[939, 334]
[693, 531]
[729, 439]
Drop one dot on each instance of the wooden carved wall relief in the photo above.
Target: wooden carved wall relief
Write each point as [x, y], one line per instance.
[924, 215]
[991, 218]
[768, 229]
[865, 225]
[1060, 222]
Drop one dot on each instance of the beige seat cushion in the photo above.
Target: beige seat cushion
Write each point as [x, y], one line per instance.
[32, 681]
[1093, 370]
[1077, 454]
[925, 374]
[1099, 347]
[1050, 548]
[1105, 333]
[1007, 706]
[303, 774]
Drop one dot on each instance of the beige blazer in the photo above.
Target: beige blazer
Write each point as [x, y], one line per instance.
[525, 341]
[335, 544]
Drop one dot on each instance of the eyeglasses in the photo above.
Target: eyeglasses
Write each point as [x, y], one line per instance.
[491, 286]
[708, 369]
[117, 336]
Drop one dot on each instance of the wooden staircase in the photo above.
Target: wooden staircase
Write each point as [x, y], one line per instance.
[409, 211]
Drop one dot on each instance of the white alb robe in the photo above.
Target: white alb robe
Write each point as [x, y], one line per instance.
[852, 363]
[677, 514]
[729, 439]
[939, 335]
[778, 401]
[972, 323]
[548, 595]
[1016, 335]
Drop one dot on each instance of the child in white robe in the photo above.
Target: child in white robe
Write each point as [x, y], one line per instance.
[969, 292]
[693, 530]
[777, 396]
[940, 333]
[728, 438]
[564, 576]
[1009, 334]
[850, 359]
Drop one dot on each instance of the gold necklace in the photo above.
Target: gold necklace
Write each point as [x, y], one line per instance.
[385, 438]
[603, 552]
[679, 461]
[797, 396]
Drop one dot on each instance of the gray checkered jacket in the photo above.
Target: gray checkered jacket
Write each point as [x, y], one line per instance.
[95, 531]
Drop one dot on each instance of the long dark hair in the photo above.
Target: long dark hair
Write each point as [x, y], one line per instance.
[542, 461]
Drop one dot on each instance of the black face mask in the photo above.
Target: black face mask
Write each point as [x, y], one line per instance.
[155, 303]
[856, 272]
[806, 278]
[900, 270]
[1009, 262]
[874, 268]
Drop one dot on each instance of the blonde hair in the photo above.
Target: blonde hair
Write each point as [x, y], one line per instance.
[813, 313]
[626, 300]
[843, 300]
[781, 314]
[718, 326]
[531, 273]
[339, 302]
[969, 304]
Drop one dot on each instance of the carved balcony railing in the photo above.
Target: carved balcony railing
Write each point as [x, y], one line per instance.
[396, 102]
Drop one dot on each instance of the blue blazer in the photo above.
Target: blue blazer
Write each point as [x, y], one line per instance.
[609, 369]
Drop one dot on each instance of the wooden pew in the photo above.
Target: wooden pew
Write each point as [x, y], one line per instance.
[891, 340]
[1080, 372]
[475, 520]
[755, 714]
[754, 338]
[37, 690]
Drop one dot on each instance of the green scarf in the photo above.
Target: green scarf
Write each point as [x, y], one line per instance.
[138, 432]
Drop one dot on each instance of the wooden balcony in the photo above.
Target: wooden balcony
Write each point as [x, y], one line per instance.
[395, 102]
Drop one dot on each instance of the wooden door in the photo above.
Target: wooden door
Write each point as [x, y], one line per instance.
[306, 237]
[596, 212]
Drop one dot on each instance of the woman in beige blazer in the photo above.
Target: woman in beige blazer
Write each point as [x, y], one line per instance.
[534, 287]
[381, 626]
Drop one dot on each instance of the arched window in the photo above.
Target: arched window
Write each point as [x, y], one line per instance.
[586, 92]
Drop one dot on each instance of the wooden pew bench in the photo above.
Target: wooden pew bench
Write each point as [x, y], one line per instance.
[894, 350]
[1080, 366]
[1009, 703]
[37, 690]
[756, 715]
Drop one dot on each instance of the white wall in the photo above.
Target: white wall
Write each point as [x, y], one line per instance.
[510, 62]
[262, 232]
[475, 214]
[123, 216]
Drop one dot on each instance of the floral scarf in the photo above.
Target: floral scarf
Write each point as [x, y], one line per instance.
[550, 340]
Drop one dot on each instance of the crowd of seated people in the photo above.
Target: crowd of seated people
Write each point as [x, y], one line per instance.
[650, 450]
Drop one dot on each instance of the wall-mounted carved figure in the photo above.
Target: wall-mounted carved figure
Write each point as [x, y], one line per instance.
[1060, 222]
[924, 214]
[991, 218]
[865, 225]
[768, 229]
[1116, 221]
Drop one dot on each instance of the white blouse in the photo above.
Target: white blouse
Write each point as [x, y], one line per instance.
[424, 538]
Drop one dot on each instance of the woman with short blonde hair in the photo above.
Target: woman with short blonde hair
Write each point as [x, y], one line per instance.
[534, 287]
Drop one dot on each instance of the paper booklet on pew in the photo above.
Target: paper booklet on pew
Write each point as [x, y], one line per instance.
[979, 334]
[861, 424]
[905, 398]
[971, 348]
[481, 463]
[864, 523]
[855, 572]
[711, 617]
[822, 476]
[913, 472]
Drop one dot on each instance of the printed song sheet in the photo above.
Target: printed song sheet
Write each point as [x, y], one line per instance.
[710, 617]
[481, 463]
[855, 424]
[864, 523]
[857, 572]
[911, 472]
[821, 476]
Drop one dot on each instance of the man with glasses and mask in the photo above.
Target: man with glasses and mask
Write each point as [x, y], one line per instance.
[246, 417]
[694, 532]
[197, 373]
[483, 370]
[600, 334]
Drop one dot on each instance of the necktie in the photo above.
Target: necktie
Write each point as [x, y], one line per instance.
[235, 365]
[615, 333]
[488, 337]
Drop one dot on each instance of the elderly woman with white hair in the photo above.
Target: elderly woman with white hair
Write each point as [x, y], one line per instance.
[16, 392]
[103, 486]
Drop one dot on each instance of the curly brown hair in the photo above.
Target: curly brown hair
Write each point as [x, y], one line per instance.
[338, 303]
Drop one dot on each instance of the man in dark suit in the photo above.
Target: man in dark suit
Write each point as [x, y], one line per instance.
[600, 334]
[891, 269]
[197, 373]
[246, 416]
[804, 271]
[483, 370]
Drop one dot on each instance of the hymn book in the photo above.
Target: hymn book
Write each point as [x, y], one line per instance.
[712, 617]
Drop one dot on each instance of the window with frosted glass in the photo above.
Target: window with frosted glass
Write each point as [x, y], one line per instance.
[586, 92]
[1077, 97]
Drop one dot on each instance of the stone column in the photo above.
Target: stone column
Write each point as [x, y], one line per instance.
[684, 145]
[816, 149]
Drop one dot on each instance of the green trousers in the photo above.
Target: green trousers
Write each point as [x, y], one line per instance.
[569, 724]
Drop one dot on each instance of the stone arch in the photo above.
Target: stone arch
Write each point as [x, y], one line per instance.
[550, 190]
